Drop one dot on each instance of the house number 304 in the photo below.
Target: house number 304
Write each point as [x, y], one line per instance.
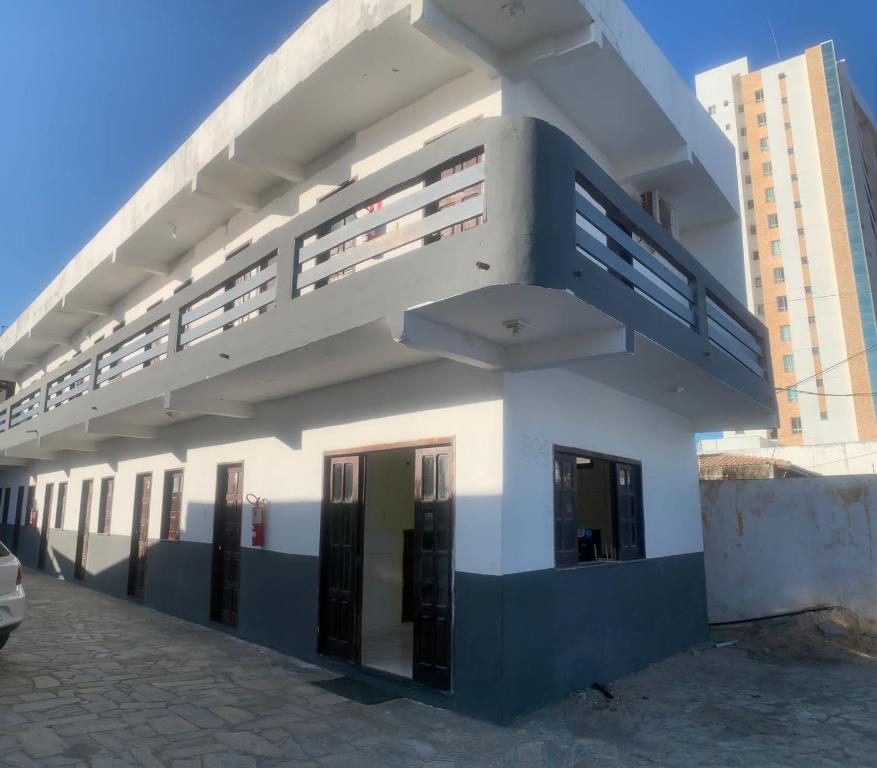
[536, 447]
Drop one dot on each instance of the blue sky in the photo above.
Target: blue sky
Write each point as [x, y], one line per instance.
[99, 93]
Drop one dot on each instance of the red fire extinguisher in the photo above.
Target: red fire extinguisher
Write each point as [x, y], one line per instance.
[260, 516]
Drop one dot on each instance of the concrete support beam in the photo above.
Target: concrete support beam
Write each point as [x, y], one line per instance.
[9, 372]
[245, 201]
[437, 338]
[283, 168]
[430, 336]
[18, 357]
[444, 30]
[50, 443]
[184, 402]
[557, 352]
[84, 307]
[30, 452]
[8, 463]
[48, 338]
[116, 428]
[143, 264]
[582, 41]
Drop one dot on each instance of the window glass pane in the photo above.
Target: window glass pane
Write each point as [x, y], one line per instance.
[443, 480]
[337, 482]
[427, 478]
[348, 481]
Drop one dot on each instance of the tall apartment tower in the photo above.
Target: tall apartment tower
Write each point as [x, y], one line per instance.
[806, 148]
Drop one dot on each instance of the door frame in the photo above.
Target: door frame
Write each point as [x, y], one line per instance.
[214, 610]
[362, 453]
[48, 498]
[82, 528]
[137, 528]
[19, 511]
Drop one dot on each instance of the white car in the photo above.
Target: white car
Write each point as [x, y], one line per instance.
[11, 594]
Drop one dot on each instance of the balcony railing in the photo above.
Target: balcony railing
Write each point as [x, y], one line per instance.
[615, 256]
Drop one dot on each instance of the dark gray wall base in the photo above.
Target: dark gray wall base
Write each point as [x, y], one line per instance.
[521, 641]
[563, 630]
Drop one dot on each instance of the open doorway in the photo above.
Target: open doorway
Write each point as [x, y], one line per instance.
[387, 563]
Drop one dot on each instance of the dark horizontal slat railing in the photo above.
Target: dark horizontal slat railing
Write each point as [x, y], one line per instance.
[435, 193]
[247, 286]
[670, 278]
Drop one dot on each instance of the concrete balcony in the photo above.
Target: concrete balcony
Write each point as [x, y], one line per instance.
[501, 245]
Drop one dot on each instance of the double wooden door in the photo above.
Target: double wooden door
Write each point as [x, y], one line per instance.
[82, 530]
[341, 558]
[19, 510]
[139, 536]
[226, 579]
[341, 555]
[433, 566]
[44, 528]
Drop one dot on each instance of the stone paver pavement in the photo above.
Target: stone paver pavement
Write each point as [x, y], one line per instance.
[90, 681]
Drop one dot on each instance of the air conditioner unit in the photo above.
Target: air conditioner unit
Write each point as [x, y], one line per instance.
[661, 210]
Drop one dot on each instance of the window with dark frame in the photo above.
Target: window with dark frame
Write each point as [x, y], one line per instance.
[598, 511]
[105, 505]
[172, 504]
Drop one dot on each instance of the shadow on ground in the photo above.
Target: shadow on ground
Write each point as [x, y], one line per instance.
[92, 681]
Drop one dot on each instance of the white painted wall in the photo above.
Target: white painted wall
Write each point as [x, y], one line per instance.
[504, 427]
[781, 545]
[556, 407]
[282, 451]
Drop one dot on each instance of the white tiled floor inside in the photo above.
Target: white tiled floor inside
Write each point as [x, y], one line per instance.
[391, 652]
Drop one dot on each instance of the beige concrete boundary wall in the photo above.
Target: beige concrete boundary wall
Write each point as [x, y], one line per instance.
[783, 545]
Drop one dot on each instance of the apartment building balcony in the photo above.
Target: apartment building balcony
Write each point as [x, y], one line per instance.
[501, 245]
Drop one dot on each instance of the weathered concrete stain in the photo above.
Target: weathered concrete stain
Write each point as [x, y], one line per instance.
[781, 545]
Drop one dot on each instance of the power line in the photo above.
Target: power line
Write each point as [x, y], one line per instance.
[836, 394]
[825, 370]
[845, 458]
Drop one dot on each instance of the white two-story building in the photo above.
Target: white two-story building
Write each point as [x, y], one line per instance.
[396, 364]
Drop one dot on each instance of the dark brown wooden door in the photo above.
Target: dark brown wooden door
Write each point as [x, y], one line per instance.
[44, 529]
[566, 547]
[82, 530]
[172, 505]
[629, 506]
[19, 507]
[225, 592]
[139, 536]
[433, 566]
[341, 558]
